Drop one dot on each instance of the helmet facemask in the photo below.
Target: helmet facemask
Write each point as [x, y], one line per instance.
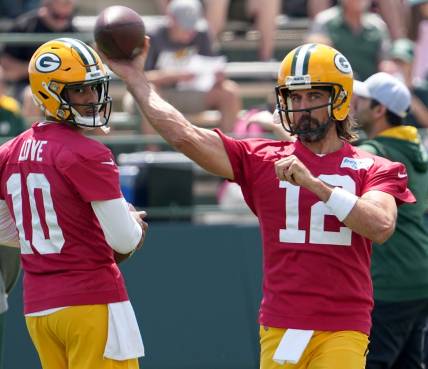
[98, 113]
[314, 130]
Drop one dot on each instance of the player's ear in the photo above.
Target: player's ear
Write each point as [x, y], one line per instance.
[379, 110]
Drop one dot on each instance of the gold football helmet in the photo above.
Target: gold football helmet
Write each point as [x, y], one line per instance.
[65, 63]
[314, 66]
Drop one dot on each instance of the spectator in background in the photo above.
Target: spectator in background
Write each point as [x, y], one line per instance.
[12, 9]
[173, 45]
[317, 6]
[11, 121]
[52, 16]
[394, 13]
[264, 14]
[399, 64]
[9, 272]
[391, 11]
[400, 266]
[162, 5]
[399, 60]
[418, 32]
[360, 35]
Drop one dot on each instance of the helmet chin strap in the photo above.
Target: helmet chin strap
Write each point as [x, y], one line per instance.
[91, 122]
[94, 121]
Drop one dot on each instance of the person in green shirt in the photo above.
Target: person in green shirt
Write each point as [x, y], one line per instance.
[11, 121]
[359, 34]
[400, 265]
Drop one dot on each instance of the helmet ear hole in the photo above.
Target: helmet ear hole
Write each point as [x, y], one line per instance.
[42, 94]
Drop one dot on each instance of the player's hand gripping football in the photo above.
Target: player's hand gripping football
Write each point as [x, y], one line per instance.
[292, 170]
[126, 69]
[139, 217]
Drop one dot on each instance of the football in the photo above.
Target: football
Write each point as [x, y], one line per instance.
[119, 32]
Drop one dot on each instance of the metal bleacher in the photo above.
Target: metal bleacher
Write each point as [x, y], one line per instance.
[238, 42]
[240, 48]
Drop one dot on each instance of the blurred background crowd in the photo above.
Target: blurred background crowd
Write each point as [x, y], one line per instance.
[240, 43]
[217, 62]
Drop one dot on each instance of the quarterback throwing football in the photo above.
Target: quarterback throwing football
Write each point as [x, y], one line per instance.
[320, 204]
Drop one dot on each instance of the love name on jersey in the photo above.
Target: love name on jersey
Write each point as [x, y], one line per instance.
[32, 150]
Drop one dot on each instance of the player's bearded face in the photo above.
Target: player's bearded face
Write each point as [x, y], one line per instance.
[311, 129]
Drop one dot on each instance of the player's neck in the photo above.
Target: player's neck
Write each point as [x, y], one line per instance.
[327, 145]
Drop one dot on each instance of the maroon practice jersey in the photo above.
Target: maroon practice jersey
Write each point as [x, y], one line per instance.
[316, 270]
[48, 176]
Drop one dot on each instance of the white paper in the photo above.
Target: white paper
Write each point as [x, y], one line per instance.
[203, 67]
[292, 346]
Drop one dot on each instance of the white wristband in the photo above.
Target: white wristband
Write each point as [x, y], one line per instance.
[341, 202]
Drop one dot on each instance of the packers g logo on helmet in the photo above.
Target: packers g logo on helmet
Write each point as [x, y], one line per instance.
[342, 63]
[315, 66]
[66, 63]
[48, 62]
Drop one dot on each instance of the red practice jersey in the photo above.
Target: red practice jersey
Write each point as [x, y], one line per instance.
[48, 176]
[316, 270]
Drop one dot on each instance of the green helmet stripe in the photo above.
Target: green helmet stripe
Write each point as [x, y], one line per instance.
[90, 51]
[294, 61]
[306, 59]
[301, 60]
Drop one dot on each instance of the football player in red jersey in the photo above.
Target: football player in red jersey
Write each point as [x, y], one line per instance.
[320, 203]
[62, 190]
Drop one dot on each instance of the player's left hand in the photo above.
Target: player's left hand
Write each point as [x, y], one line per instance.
[292, 170]
[139, 216]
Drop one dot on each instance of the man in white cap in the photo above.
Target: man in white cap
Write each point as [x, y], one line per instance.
[400, 266]
[174, 45]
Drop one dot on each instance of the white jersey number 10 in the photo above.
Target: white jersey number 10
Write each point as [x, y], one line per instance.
[55, 240]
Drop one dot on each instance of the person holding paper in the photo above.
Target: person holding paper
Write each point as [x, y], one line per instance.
[183, 68]
[320, 203]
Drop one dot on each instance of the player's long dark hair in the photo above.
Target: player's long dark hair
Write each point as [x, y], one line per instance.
[346, 129]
